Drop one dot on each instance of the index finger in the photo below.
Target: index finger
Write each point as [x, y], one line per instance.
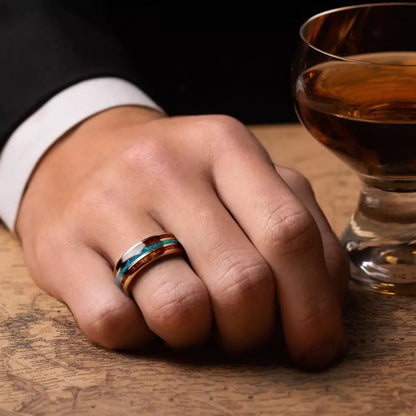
[285, 233]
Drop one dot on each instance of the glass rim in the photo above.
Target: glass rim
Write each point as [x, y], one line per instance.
[354, 6]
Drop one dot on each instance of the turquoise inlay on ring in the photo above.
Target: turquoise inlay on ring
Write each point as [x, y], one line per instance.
[145, 250]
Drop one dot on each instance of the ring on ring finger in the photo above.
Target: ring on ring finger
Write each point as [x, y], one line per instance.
[142, 254]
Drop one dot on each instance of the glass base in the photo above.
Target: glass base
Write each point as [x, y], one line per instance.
[373, 269]
[381, 242]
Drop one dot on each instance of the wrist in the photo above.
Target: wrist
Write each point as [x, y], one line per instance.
[118, 117]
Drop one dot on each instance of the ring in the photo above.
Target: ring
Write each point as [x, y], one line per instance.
[141, 255]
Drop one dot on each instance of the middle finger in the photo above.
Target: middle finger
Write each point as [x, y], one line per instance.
[239, 281]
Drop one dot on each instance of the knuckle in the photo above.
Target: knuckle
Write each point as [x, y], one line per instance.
[245, 281]
[172, 305]
[221, 129]
[290, 229]
[147, 155]
[220, 124]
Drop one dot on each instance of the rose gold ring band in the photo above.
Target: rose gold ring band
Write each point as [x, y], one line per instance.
[143, 254]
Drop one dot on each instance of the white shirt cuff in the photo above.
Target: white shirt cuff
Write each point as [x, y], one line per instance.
[37, 133]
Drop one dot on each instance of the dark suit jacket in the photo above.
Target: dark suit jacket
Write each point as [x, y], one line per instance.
[209, 57]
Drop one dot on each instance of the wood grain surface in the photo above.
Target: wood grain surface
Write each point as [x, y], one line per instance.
[47, 366]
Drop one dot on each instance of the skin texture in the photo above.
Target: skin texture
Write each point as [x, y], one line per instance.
[254, 236]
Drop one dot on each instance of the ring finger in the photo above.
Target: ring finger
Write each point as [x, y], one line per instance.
[173, 300]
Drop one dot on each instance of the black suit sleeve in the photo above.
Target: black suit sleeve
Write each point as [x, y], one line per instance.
[46, 46]
[218, 59]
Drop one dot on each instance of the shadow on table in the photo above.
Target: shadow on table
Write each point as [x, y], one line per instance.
[210, 354]
[376, 327]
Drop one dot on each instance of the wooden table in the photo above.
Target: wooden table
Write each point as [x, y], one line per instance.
[47, 367]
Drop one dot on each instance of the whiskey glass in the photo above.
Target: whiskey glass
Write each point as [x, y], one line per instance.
[354, 88]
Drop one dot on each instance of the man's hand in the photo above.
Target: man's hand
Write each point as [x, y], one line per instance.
[253, 233]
